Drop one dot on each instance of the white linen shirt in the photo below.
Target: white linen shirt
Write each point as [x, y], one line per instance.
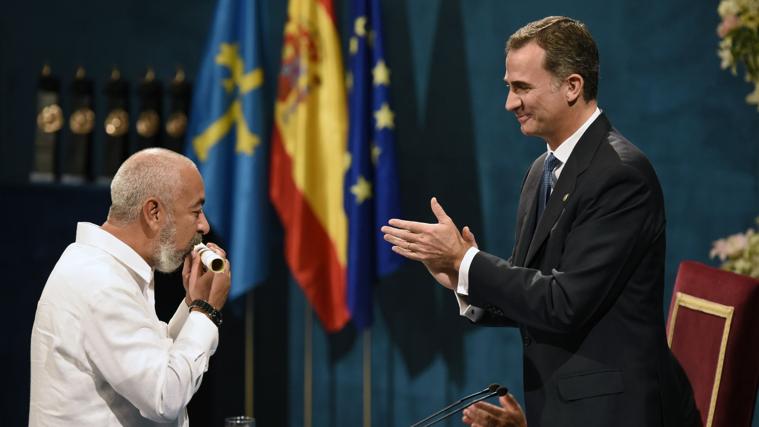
[99, 354]
[562, 153]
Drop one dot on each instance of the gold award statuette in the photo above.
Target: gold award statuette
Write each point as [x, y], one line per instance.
[50, 119]
[82, 121]
[117, 122]
[177, 124]
[210, 259]
[148, 123]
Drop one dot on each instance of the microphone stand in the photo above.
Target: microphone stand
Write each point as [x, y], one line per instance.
[492, 388]
[500, 392]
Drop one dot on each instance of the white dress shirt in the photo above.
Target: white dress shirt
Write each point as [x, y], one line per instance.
[99, 354]
[562, 153]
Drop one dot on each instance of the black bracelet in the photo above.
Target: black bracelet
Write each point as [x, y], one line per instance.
[205, 307]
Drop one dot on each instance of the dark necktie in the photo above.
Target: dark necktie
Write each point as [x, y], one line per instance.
[546, 185]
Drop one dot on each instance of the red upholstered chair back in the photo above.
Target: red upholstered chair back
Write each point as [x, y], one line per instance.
[713, 330]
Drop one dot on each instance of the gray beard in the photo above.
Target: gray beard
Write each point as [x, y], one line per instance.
[169, 259]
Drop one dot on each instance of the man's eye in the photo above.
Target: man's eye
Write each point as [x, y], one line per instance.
[521, 90]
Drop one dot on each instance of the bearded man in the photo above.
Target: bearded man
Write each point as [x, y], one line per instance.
[99, 354]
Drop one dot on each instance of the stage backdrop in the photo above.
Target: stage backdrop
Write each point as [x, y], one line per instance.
[661, 86]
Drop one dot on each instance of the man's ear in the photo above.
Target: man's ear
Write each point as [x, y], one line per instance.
[152, 213]
[575, 86]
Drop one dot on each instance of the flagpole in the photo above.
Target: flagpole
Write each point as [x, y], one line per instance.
[368, 377]
[249, 354]
[307, 367]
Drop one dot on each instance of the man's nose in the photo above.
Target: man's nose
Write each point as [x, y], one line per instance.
[512, 101]
[203, 226]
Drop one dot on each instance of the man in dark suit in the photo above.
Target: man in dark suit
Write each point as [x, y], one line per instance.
[585, 280]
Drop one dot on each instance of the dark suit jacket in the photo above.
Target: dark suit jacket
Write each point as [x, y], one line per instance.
[585, 286]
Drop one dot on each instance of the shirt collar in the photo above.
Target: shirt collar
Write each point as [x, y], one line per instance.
[565, 148]
[92, 235]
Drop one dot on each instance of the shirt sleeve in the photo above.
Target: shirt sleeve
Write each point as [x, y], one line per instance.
[178, 319]
[154, 372]
[462, 289]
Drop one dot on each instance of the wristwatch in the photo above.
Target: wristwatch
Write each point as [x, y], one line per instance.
[205, 307]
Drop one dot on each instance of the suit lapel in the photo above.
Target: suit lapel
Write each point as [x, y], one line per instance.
[578, 161]
[528, 206]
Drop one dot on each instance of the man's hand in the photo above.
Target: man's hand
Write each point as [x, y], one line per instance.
[449, 277]
[483, 414]
[439, 246]
[468, 236]
[205, 284]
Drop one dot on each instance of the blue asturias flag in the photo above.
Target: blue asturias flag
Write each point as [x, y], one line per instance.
[371, 183]
[228, 141]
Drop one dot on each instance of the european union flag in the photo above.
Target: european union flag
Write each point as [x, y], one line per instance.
[371, 183]
[227, 141]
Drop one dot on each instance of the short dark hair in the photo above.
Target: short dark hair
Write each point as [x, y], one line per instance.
[570, 49]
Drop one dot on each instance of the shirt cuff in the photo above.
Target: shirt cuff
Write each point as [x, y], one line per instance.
[463, 286]
[202, 330]
[462, 289]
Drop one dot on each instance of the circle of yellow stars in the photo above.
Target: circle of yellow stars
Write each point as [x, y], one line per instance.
[384, 117]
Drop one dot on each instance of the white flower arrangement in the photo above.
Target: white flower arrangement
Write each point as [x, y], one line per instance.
[739, 31]
[739, 253]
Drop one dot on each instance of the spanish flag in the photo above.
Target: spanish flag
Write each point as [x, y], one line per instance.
[309, 158]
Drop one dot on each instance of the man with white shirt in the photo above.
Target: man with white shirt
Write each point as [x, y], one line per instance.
[99, 354]
[585, 280]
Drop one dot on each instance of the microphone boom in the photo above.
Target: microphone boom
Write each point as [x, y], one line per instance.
[490, 391]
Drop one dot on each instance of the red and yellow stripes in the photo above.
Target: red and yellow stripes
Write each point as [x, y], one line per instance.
[308, 158]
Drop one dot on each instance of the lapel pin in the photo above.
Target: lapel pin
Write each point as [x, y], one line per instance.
[564, 199]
